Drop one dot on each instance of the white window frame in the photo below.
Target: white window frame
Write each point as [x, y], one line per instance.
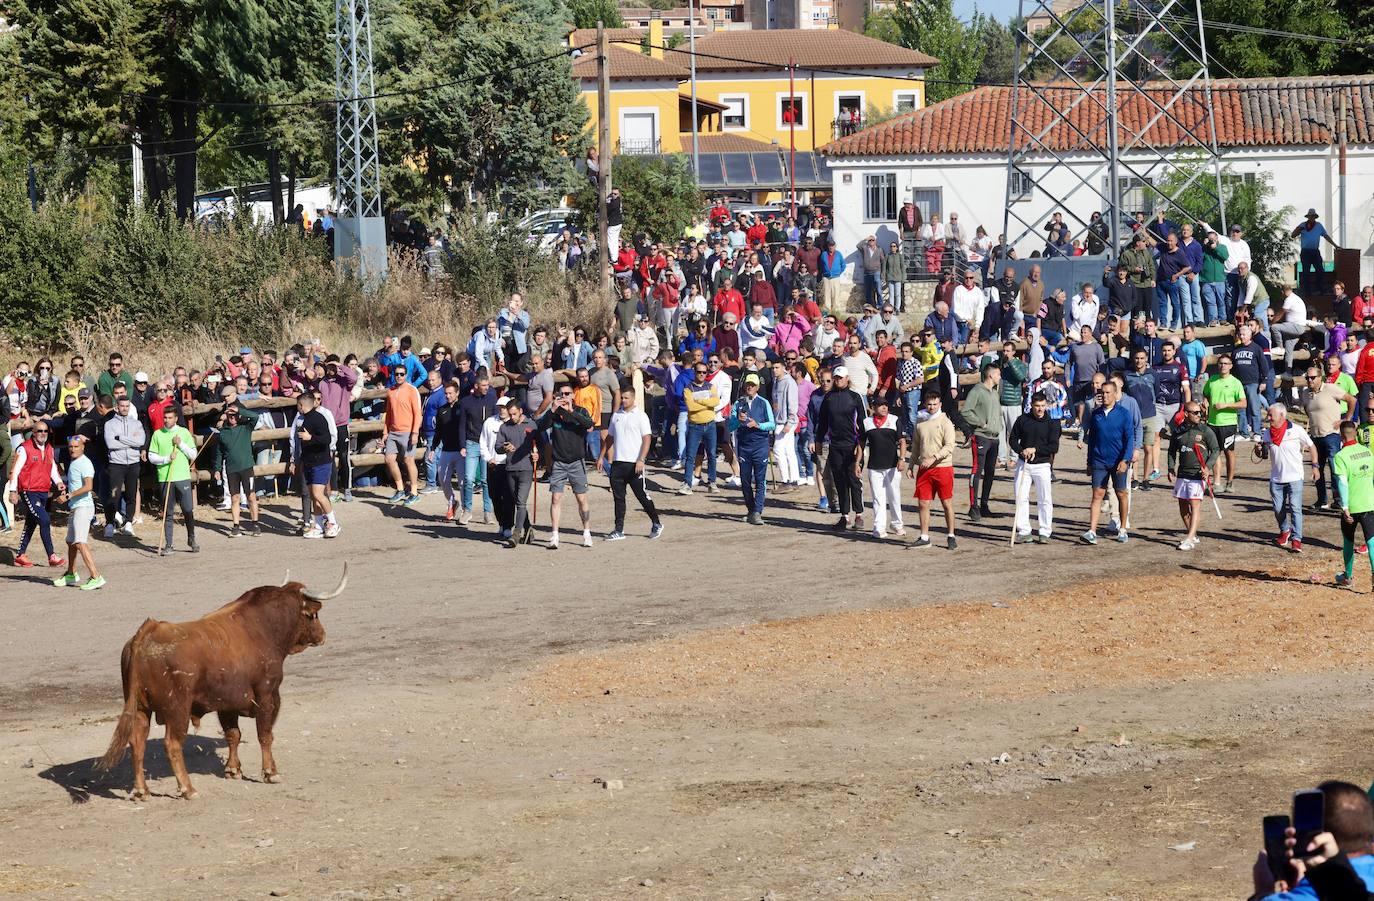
[1026, 186]
[802, 101]
[905, 93]
[653, 111]
[846, 95]
[890, 179]
[727, 99]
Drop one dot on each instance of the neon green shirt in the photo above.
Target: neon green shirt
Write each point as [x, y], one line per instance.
[1353, 466]
[161, 446]
[1224, 389]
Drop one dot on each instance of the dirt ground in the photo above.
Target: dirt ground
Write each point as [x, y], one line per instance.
[734, 712]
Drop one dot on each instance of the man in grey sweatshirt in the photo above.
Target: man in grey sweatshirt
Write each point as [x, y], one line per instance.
[124, 439]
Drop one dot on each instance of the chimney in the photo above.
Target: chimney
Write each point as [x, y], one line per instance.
[656, 34]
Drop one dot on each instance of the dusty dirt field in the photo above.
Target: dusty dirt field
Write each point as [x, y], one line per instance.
[789, 713]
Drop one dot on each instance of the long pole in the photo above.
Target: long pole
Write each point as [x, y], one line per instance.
[1340, 130]
[792, 130]
[1113, 150]
[692, 68]
[138, 170]
[603, 171]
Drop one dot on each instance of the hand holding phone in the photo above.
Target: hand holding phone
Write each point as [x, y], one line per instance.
[1309, 816]
[1275, 850]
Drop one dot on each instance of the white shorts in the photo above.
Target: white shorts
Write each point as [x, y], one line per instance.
[79, 524]
[1190, 489]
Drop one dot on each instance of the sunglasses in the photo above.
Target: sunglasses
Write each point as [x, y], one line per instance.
[40, 431]
[701, 372]
[565, 394]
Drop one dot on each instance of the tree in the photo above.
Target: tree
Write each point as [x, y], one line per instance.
[931, 26]
[659, 196]
[1248, 55]
[999, 53]
[586, 13]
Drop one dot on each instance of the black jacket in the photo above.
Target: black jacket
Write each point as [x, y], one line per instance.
[1120, 295]
[841, 418]
[569, 435]
[448, 431]
[1041, 434]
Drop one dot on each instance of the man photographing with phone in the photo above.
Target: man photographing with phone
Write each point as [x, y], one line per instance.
[1347, 814]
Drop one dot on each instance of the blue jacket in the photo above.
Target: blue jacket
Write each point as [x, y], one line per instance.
[435, 400]
[1111, 437]
[674, 397]
[832, 267]
[761, 411]
[415, 370]
[1363, 865]
[944, 329]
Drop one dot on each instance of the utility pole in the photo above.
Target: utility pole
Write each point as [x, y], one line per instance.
[792, 129]
[603, 171]
[138, 170]
[692, 68]
[33, 175]
[359, 228]
[1340, 136]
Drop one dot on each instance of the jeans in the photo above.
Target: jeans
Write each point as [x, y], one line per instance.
[1327, 447]
[35, 507]
[1288, 333]
[1254, 409]
[894, 295]
[806, 464]
[1311, 272]
[1214, 304]
[447, 464]
[1190, 289]
[682, 437]
[911, 400]
[1262, 317]
[1169, 304]
[873, 287]
[697, 436]
[753, 474]
[474, 471]
[1287, 497]
[425, 468]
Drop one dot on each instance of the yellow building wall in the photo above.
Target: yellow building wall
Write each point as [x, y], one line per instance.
[664, 101]
[818, 98]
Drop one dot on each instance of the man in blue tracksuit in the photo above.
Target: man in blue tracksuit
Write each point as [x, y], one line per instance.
[1111, 448]
[751, 419]
[405, 359]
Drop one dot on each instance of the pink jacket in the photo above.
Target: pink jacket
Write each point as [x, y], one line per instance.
[788, 335]
[336, 394]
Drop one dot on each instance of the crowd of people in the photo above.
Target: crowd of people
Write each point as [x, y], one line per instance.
[731, 359]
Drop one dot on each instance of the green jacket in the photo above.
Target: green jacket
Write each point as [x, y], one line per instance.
[983, 412]
[1214, 262]
[160, 446]
[1182, 457]
[894, 267]
[1140, 259]
[234, 445]
[1014, 375]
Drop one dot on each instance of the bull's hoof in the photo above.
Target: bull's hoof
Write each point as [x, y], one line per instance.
[138, 794]
[188, 794]
[271, 778]
[233, 774]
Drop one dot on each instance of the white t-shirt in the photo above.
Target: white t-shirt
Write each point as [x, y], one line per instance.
[628, 431]
[723, 383]
[1295, 309]
[1286, 457]
[1237, 252]
[968, 303]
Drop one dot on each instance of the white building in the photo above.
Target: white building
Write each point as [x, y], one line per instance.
[952, 157]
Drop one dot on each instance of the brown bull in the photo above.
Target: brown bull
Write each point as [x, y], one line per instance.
[229, 662]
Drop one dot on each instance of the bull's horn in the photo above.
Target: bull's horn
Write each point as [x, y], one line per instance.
[286, 579]
[325, 596]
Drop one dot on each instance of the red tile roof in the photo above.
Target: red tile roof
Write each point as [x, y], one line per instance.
[627, 64]
[1251, 112]
[821, 47]
[726, 143]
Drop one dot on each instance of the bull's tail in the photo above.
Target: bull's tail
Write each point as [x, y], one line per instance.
[124, 728]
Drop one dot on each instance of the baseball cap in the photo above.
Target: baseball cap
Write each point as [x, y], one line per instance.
[840, 372]
[212, 378]
[245, 350]
[751, 379]
[424, 351]
[140, 376]
[84, 393]
[503, 400]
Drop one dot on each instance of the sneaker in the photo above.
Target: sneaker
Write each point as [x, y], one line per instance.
[1145, 486]
[396, 498]
[193, 548]
[823, 505]
[335, 497]
[974, 514]
[711, 487]
[617, 535]
[1296, 546]
[1154, 474]
[1187, 544]
[684, 489]
[656, 532]
[430, 489]
[65, 580]
[1113, 526]
[985, 510]
[1122, 537]
[509, 543]
[676, 467]
[410, 500]
[879, 534]
[1230, 487]
[1024, 538]
[586, 539]
[463, 516]
[236, 532]
[1326, 507]
[313, 532]
[858, 523]
[127, 529]
[331, 530]
[754, 519]
[254, 530]
[54, 560]
[1088, 537]
[109, 531]
[951, 542]
[921, 541]
[1282, 540]
[138, 519]
[450, 512]
[841, 524]
[899, 533]
[348, 496]
[732, 482]
[165, 551]
[1342, 580]
[1042, 539]
[553, 543]
[93, 583]
[1362, 550]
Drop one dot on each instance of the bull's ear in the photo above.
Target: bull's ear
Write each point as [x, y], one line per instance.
[309, 606]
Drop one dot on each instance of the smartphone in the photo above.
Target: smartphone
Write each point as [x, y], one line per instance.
[1309, 814]
[1275, 827]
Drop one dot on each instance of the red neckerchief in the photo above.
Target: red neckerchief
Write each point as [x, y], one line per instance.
[1348, 443]
[879, 422]
[1276, 434]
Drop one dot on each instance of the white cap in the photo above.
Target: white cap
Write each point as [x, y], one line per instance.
[140, 376]
[504, 399]
[840, 372]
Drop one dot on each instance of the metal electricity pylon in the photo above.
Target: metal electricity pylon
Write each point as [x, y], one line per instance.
[359, 228]
[1110, 99]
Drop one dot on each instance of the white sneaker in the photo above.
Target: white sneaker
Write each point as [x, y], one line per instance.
[313, 532]
[732, 482]
[586, 539]
[332, 530]
[127, 529]
[1187, 544]
[879, 534]
[464, 516]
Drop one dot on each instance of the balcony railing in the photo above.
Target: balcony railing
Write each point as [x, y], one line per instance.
[638, 148]
[844, 126]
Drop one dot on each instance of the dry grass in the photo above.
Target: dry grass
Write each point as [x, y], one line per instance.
[1091, 636]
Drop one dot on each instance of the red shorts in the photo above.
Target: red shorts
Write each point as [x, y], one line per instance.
[936, 482]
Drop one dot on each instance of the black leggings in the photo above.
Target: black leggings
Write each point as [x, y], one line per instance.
[622, 475]
[343, 469]
[849, 489]
[983, 471]
[500, 495]
[123, 487]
